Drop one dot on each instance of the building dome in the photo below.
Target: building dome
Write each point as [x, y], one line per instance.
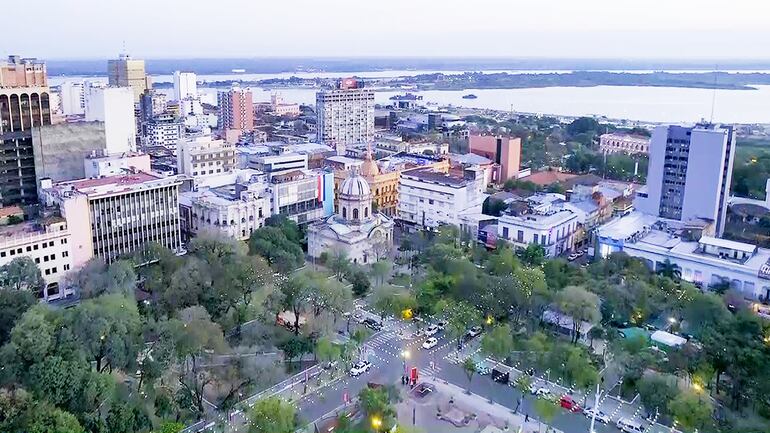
[369, 168]
[355, 186]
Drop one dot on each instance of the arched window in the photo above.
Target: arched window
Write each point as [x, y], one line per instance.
[344, 212]
[355, 214]
[366, 212]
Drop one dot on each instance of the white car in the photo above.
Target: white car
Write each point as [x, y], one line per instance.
[600, 416]
[474, 331]
[539, 391]
[430, 343]
[431, 330]
[360, 368]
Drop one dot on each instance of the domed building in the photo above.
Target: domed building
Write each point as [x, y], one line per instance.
[363, 234]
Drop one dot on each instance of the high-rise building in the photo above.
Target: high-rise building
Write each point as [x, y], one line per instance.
[689, 173]
[345, 114]
[115, 107]
[504, 151]
[72, 98]
[164, 130]
[24, 103]
[152, 104]
[185, 85]
[236, 110]
[127, 72]
[113, 216]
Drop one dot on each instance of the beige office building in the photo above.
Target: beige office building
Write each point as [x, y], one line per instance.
[127, 72]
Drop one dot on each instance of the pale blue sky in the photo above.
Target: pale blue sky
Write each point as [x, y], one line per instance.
[683, 29]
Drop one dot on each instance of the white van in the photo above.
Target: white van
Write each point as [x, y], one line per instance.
[629, 426]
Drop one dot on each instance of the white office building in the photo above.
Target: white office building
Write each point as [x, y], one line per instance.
[201, 156]
[552, 228]
[46, 241]
[72, 98]
[279, 163]
[345, 115]
[428, 198]
[115, 107]
[689, 173]
[163, 130]
[185, 85]
[700, 258]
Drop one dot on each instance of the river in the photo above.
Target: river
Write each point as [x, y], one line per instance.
[651, 104]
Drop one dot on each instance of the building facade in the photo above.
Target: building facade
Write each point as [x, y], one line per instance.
[185, 85]
[553, 229]
[345, 115]
[201, 156]
[72, 98]
[24, 104]
[234, 210]
[689, 174]
[47, 242]
[236, 110]
[428, 198]
[303, 196]
[504, 151]
[114, 106]
[113, 216]
[114, 165]
[624, 143]
[127, 72]
[163, 130]
[361, 233]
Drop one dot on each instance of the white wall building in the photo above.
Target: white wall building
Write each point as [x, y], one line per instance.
[115, 107]
[235, 210]
[113, 216]
[47, 242]
[689, 174]
[279, 163]
[623, 143]
[113, 165]
[72, 98]
[553, 229]
[185, 85]
[701, 259]
[163, 131]
[428, 199]
[200, 156]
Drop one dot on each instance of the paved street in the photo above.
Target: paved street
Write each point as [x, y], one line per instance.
[384, 349]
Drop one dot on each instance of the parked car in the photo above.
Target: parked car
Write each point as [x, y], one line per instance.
[572, 257]
[441, 325]
[567, 402]
[430, 343]
[359, 317]
[600, 416]
[360, 368]
[474, 331]
[539, 391]
[629, 426]
[431, 330]
[372, 324]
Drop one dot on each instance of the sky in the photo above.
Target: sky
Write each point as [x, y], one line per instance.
[628, 29]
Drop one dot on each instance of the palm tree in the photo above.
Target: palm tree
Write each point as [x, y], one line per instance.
[469, 366]
[670, 270]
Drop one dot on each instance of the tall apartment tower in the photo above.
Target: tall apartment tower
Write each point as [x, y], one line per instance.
[115, 107]
[236, 110]
[345, 114]
[185, 85]
[24, 103]
[690, 173]
[127, 72]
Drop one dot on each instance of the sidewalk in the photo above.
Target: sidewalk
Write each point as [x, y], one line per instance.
[498, 414]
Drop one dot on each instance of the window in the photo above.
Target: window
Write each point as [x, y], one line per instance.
[48, 272]
[45, 258]
[534, 238]
[520, 236]
[65, 253]
[35, 247]
[37, 260]
[29, 248]
[64, 241]
[12, 252]
[505, 232]
[355, 214]
[53, 270]
[2, 253]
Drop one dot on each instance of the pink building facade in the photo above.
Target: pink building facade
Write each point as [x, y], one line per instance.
[504, 151]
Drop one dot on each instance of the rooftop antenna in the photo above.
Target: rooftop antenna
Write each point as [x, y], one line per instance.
[714, 94]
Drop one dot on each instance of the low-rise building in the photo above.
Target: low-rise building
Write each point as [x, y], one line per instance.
[279, 163]
[624, 143]
[113, 216]
[428, 198]
[302, 195]
[47, 242]
[689, 246]
[541, 220]
[235, 210]
[113, 165]
[202, 156]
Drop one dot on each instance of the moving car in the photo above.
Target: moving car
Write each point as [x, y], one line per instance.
[372, 324]
[473, 332]
[430, 343]
[360, 368]
[600, 416]
[431, 330]
[567, 402]
[629, 426]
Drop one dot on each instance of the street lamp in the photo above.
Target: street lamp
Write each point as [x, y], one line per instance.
[376, 423]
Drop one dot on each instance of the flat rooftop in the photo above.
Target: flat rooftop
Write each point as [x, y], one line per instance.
[432, 176]
[114, 184]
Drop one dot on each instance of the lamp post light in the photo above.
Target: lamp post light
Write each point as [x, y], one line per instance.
[376, 423]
